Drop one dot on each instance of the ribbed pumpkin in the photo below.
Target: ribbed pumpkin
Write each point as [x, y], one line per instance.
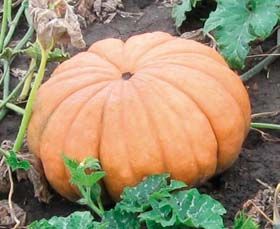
[155, 103]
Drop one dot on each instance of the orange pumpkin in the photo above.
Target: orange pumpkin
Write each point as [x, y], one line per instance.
[155, 103]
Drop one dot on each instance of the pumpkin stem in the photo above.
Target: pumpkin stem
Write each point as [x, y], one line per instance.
[127, 75]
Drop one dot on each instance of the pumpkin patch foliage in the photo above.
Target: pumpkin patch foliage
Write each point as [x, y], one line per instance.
[156, 202]
[236, 24]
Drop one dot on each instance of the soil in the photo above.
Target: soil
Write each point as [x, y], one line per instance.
[258, 159]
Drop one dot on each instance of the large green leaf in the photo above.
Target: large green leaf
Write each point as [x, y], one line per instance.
[137, 199]
[237, 23]
[80, 220]
[186, 208]
[118, 219]
[179, 11]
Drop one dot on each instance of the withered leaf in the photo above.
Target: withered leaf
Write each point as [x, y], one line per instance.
[5, 214]
[56, 21]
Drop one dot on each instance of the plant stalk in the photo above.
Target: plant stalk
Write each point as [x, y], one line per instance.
[28, 109]
[13, 107]
[27, 83]
[6, 79]
[260, 125]
[14, 24]
[4, 23]
[28, 34]
[264, 63]
[86, 193]
[12, 94]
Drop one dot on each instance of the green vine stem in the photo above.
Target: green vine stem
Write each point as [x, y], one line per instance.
[3, 152]
[264, 63]
[27, 84]
[28, 34]
[9, 14]
[13, 107]
[260, 125]
[30, 101]
[4, 23]
[6, 79]
[19, 46]
[30, 71]
[14, 23]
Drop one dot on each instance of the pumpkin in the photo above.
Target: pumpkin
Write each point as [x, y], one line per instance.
[153, 104]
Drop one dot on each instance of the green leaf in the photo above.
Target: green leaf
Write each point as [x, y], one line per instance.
[15, 163]
[186, 208]
[241, 221]
[33, 50]
[82, 174]
[179, 11]
[118, 219]
[237, 23]
[136, 199]
[7, 54]
[81, 220]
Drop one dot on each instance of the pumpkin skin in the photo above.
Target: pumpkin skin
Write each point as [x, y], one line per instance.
[183, 111]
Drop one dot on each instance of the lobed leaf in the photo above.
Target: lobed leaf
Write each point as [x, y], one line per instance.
[80, 174]
[186, 208]
[118, 219]
[81, 220]
[137, 199]
[179, 11]
[15, 163]
[237, 23]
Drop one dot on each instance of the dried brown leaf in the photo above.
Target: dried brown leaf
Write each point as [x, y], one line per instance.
[5, 214]
[4, 177]
[35, 175]
[56, 21]
[103, 10]
[260, 208]
[84, 8]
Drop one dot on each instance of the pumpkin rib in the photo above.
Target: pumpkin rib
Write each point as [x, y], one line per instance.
[107, 98]
[92, 96]
[173, 110]
[169, 83]
[63, 135]
[91, 77]
[108, 49]
[152, 121]
[170, 108]
[88, 139]
[198, 49]
[157, 90]
[170, 160]
[78, 71]
[207, 76]
[245, 106]
[149, 118]
[132, 169]
[60, 103]
[108, 160]
[217, 154]
[81, 60]
[102, 119]
[144, 50]
[104, 58]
